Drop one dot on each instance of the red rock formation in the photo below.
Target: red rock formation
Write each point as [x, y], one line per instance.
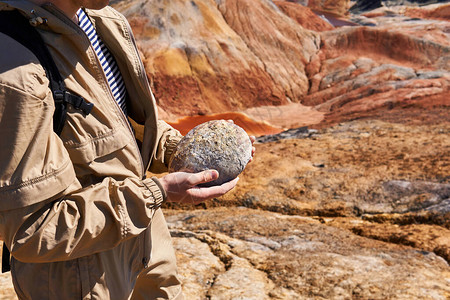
[251, 126]
[304, 16]
[385, 44]
[440, 12]
[205, 58]
[339, 7]
[283, 46]
[385, 73]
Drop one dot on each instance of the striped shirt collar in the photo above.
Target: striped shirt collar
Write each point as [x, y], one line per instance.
[107, 61]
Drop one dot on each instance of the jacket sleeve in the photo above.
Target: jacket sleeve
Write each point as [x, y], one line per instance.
[167, 143]
[45, 214]
[81, 223]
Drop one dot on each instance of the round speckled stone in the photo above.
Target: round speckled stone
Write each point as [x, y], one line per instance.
[218, 145]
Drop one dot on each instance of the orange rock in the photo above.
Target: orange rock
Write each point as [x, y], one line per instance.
[204, 58]
[304, 16]
[251, 126]
[339, 8]
[440, 12]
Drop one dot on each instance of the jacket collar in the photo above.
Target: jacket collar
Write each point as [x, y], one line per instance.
[55, 19]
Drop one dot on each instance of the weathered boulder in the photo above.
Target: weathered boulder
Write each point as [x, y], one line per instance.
[218, 145]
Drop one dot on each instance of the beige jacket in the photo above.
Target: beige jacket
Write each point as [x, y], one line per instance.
[83, 192]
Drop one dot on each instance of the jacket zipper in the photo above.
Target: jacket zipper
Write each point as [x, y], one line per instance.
[142, 76]
[148, 232]
[122, 115]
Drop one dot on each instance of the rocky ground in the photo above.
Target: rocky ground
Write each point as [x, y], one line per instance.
[359, 210]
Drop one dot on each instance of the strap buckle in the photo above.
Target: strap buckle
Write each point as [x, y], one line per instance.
[76, 101]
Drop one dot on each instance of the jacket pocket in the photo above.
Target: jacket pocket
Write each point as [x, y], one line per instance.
[88, 137]
[99, 146]
[52, 281]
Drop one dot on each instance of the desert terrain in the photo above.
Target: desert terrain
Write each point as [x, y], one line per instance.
[348, 195]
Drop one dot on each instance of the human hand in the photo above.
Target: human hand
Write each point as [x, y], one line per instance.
[182, 187]
[253, 139]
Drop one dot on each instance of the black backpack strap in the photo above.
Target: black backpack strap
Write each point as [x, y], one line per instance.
[5, 259]
[62, 97]
[14, 24]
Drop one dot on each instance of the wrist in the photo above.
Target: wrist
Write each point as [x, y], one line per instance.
[161, 186]
[156, 197]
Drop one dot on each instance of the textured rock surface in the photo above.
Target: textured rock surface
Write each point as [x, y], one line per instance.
[270, 256]
[6, 287]
[438, 12]
[338, 7]
[354, 216]
[206, 56]
[218, 145]
[304, 16]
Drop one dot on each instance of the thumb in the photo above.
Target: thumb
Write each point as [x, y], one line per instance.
[203, 177]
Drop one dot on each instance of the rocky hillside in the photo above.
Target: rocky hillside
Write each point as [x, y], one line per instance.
[204, 57]
[264, 58]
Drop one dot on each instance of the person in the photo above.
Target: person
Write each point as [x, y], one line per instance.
[77, 213]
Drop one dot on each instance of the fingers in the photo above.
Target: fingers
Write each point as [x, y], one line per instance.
[202, 177]
[200, 194]
[252, 139]
[183, 187]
